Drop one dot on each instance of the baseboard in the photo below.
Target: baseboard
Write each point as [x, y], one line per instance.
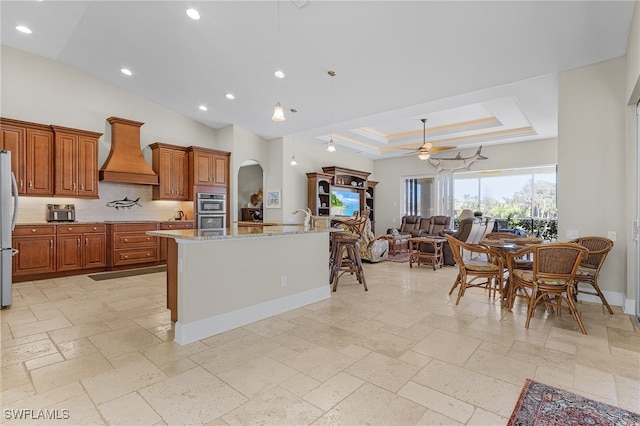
[188, 333]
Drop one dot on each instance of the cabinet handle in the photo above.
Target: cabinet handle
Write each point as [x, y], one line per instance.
[51, 243]
[69, 229]
[170, 226]
[148, 238]
[86, 242]
[148, 254]
[78, 241]
[73, 186]
[126, 257]
[95, 227]
[21, 183]
[126, 240]
[34, 230]
[30, 184]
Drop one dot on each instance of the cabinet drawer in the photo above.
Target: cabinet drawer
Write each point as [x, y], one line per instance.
[133, 239]
[134, 226]
[177, 225]
[78, 229]
[23, 230]
[141, 255]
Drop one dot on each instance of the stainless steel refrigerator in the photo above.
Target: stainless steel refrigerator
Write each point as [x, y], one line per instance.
[8, 213]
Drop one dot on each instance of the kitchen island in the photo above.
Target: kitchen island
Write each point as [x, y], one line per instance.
[218, 280]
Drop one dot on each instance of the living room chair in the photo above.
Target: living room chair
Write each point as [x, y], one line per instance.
[589, 269]
[476, 272]
[551, 279]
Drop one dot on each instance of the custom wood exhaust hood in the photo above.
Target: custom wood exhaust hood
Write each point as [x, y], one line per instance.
[125, 163]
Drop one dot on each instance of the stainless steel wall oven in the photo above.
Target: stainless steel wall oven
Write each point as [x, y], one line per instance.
[211, 211]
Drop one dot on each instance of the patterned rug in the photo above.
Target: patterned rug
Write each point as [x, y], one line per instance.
[545, 405]
[400, 257]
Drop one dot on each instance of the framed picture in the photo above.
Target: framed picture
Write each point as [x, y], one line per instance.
[273, 199]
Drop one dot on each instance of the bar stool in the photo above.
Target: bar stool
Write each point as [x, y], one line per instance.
[341, 242]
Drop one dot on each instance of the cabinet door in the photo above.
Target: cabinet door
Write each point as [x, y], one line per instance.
[221, 168]
[13, 138]
[165, 157]
[66, 182]
[95, 251]
[202, 165]
[87, 167]
[39, 165]
[180, 174]
[37, 255]
[69, 252]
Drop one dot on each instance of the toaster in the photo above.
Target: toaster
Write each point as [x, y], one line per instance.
[61, 213]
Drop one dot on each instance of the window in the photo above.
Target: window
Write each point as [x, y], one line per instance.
[524, 198]
[419, 197]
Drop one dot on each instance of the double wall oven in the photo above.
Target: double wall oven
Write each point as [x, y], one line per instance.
[211, 211]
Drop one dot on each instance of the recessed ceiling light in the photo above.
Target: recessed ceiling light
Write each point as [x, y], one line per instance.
[230, 96]
[125, 71]
[279, 74]
[202, 108]
[23, 29]
[193, 14]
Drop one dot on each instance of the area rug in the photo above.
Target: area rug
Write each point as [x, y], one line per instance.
[540, 404]
[401, 257]
[127, 273]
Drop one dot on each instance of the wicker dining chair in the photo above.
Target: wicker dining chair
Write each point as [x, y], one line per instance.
[484, 268]
[589, 269]
[551, 279]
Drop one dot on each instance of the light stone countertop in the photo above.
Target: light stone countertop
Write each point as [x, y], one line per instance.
[238, 232]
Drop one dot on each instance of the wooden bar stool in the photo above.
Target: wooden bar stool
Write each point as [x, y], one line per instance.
[344, 242]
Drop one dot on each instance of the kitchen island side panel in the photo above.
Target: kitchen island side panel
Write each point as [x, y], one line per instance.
[223, 284]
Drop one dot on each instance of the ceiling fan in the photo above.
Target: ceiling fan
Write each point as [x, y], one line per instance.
[427, 148]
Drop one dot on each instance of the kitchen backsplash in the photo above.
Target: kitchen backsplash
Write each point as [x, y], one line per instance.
[33, 209]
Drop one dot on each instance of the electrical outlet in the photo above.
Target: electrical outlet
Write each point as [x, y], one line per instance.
[572, 234]
[611, 235]
[283, 281]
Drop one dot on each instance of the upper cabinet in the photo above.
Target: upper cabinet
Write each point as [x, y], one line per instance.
[76, 170]
[32, 149]
[208, 167]
[171, 164]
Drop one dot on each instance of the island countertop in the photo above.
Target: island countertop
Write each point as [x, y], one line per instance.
[237, 232]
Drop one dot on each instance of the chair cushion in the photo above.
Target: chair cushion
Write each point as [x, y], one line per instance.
[585, 271]
[527, 275]
[480, 266]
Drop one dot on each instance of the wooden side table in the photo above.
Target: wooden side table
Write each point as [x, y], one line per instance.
[397, 243]
[434, 258]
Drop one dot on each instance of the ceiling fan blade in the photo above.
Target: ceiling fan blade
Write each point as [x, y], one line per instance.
[441, 148]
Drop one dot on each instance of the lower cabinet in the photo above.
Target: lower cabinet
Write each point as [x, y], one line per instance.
[169, 226]
[131, 245]
[81, 247]
[36, 247]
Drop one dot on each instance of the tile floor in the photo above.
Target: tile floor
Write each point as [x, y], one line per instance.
[401, 354]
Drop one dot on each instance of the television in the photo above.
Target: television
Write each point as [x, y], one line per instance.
[344, 202]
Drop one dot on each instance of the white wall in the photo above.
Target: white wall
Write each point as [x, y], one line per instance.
[43, 91]
[391, 173]
[592, 191]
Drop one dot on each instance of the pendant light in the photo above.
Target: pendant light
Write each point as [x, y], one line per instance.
[331, 147]
[278, 112]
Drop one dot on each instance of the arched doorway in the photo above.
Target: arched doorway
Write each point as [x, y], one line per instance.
[250, 187]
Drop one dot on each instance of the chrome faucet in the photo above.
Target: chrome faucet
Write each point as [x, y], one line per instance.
[307, 215]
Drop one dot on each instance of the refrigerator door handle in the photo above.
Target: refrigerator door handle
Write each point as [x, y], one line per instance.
[14, 252]
[14, 184]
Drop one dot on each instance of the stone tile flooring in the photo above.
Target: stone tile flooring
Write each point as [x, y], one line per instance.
[400, 354]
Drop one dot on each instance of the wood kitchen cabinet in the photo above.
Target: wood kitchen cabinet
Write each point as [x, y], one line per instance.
[182, 224]
[130, 244]
[81, 247]
[36, 247]
[171, 164]
[31, 147]
[76, 167]
[208, 167]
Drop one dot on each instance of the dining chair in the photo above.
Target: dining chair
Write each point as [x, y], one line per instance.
[483, 269]
[551, 279]
[589, 269]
